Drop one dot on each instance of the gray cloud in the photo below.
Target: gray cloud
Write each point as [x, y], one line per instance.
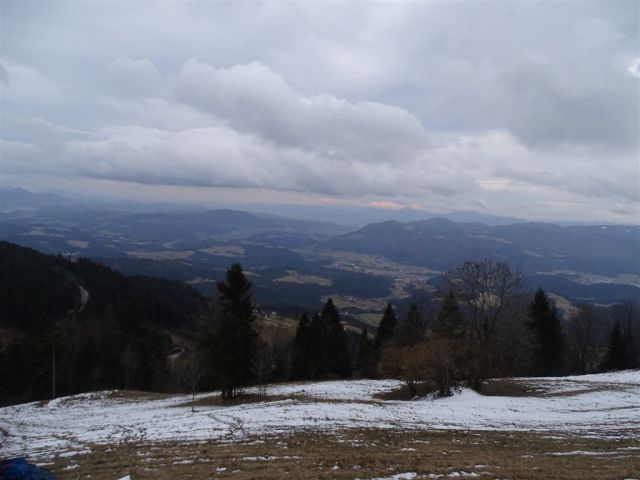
[254, 98]
[4, 75]
[136, 78]
[218, 157]
[551, 107]
[459, 105]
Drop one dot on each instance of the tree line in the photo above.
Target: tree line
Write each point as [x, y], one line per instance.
[483, 326]
[52, 343]
[481, 323]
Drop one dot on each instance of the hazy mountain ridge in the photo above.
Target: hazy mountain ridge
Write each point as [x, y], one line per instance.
[441, 243]
[294, 262]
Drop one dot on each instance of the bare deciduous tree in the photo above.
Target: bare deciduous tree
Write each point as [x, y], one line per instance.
[264, 365]
[432, 360]
[487, 291]
[191, 372]
[407, 362]
[585, 340]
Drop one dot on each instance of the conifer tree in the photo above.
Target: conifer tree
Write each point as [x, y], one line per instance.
[231, 350]
[548, 339]
[316, 366]
[46, 356]
[301, 367]
[367, 358]
[330, 348]
[337, 342]
[412, 329]
[385, 328]
[110, 346]
[84, 366]
[618, 356]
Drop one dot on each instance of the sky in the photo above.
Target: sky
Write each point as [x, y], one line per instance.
[528, 109]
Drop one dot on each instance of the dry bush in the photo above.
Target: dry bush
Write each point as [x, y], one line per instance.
[433, 361]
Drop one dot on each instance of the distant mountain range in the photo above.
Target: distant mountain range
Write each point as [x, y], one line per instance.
[301, 261]
[361, 216]
[350, 216]
[19, 198]
[534, 247]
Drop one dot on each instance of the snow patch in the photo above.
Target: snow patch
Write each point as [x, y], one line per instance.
[64, 426]
[581, 452]
[399, 476]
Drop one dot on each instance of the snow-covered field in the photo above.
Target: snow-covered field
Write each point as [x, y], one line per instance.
[606, 405]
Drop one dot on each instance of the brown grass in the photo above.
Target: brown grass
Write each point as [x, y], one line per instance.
[403, 393]
[363, 454]
[217, 400]
[499, 387]
[504, 387]
[137, 395]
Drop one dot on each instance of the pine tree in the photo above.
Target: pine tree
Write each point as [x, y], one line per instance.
[46, 357]
[316, 357]
[412, 329]
[548, 339]
[385, 328]
[84, 366]
[337, 342]
[232, 348]
[617, 356]
[301, 367]
[330, 348]
[110, 372]
[367, 358]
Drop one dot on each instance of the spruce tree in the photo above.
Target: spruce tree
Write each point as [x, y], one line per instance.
[330, 348]
[46, 357]
[385, 328]
[110, 372]
[366, 359]
[301, 367]
[317, 359]
[412, 329]
[618, 351]
[231, 350]
[548, 341]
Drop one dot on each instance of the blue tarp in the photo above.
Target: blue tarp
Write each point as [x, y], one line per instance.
[20, 469]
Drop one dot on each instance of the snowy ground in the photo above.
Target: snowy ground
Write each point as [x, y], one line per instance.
[598, 406]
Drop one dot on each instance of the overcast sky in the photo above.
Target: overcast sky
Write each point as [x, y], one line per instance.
[519, 108]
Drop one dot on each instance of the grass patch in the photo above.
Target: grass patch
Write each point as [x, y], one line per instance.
[504, 387]
[216, 400]
[138, 395]
[403, 393]
[363, 454]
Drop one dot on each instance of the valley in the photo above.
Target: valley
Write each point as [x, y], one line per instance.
[301, 263]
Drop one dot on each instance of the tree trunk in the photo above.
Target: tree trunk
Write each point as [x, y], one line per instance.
[413, 388]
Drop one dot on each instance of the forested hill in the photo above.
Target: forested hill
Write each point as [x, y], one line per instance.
[35, 285]
[70, 326]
